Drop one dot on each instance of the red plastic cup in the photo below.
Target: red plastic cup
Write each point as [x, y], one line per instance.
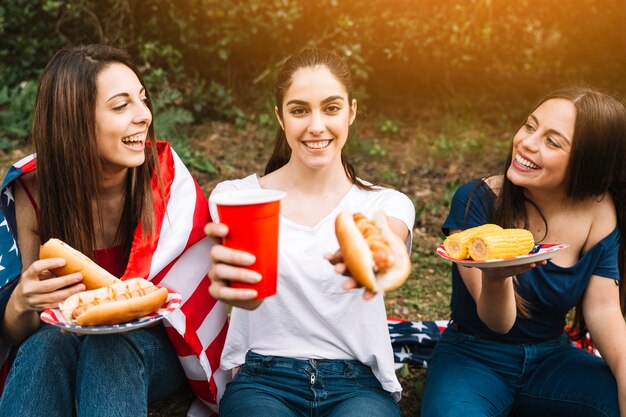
[252, 217]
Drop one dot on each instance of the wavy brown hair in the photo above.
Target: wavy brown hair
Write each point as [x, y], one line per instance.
[309, 58]
[69, 168]
[596, 167]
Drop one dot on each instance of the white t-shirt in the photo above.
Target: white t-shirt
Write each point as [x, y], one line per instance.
[312, 316]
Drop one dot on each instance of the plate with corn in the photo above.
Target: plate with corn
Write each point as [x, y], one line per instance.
[491, 246]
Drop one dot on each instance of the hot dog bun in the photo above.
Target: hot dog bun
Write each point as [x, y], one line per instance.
[94, 276]
[117, 303]
[377, 260]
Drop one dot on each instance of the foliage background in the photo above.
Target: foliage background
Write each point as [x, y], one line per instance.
[442, 87]
[215, 59]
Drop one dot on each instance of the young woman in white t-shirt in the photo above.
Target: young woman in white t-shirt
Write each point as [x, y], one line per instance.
[319, 345]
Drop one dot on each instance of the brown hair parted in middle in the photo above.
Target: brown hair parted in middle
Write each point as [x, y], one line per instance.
[309, 58]
[69, 169]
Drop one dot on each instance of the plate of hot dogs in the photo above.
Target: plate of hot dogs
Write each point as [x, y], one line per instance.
[56, 317]
[109, 304]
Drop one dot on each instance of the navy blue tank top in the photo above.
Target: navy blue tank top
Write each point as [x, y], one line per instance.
[550, 291]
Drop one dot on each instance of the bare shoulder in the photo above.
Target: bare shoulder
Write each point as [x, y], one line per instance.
[604, 217]
[28, 181]
[494, 182]
[26, 215]
[26, 218]
[270, 180]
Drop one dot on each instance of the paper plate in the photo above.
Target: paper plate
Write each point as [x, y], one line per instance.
[53, 316]
[539, 253]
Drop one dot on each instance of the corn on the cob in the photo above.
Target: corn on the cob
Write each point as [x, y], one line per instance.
[504, 243]
[456, 245]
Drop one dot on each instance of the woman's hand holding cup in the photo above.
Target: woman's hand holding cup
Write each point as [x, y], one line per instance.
[230, 265]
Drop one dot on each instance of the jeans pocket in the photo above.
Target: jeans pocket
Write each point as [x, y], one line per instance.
[249, 369]
[368, 382]
[363, 377]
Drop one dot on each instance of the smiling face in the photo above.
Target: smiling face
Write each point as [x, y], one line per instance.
[316, 115]
[122, 118]
[541, 147]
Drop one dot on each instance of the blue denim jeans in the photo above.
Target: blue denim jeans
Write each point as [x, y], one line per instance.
[57, 374]
[468, 376]
[271, 386]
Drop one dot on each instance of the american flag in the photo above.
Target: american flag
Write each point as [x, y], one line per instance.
[177, 259]
[414, 341]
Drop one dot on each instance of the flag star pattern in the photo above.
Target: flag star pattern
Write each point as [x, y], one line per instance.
[14, 248]
[414, 341]
[178, 258]
[9, 195]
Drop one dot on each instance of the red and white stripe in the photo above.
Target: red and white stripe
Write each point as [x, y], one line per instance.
[27, 163]
[179, 259]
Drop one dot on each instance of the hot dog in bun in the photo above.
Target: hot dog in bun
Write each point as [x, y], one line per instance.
[117, 303]
[94, 276]
[375, 256]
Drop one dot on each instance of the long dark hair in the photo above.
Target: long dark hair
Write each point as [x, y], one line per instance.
[69, 168]
[309, 58]
[596, 167]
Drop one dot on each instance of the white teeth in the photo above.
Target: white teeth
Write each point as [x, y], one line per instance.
[317, 144]
[525, 162]
[135, 138]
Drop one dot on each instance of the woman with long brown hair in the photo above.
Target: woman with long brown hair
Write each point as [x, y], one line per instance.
[314, 348]
[101, 182]
[506, 349]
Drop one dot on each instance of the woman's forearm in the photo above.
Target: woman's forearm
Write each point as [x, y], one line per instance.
[496, 304]
[18, 324]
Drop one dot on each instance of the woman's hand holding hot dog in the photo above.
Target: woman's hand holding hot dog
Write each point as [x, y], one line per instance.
[230, 265]
[375, 251]
[39, 289]
[341, 268]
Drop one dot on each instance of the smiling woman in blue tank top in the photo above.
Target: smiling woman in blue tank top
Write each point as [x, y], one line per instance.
[505, 349]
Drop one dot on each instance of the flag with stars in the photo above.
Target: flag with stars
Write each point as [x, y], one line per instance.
[10, 260]
[178, 258]
[414, 341]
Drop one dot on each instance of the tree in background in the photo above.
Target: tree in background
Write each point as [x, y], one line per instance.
[212, 58]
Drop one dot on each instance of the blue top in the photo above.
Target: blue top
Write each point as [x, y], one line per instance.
[550, 291]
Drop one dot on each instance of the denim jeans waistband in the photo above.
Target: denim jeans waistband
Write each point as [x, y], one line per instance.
[329, 365]
[562, 338]
[462, 329]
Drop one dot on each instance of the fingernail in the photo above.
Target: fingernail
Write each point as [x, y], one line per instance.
[249, 258]
[250, 294]
[254, 276]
